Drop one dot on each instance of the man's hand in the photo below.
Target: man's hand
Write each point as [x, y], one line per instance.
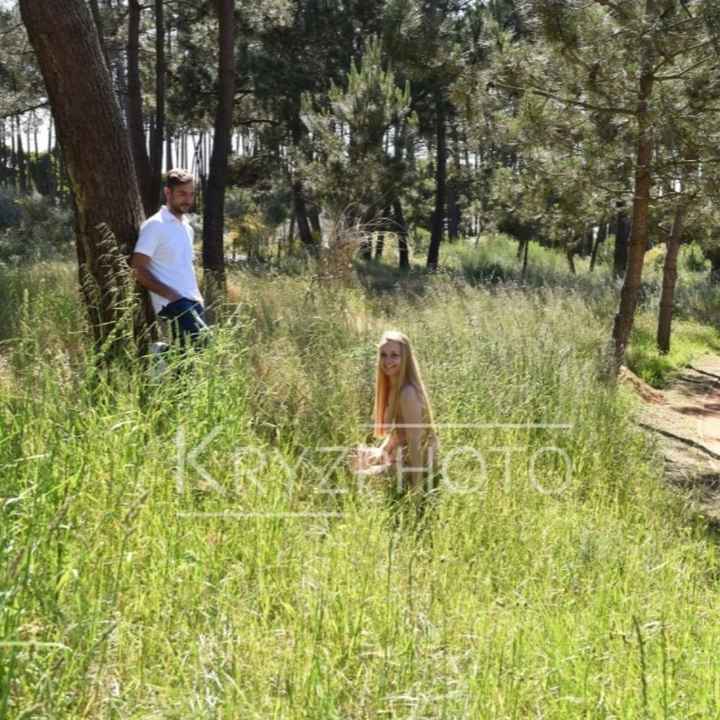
[141, 265]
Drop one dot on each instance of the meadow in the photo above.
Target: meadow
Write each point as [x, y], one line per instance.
[194, 547]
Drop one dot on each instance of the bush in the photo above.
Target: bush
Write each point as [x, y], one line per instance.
[43, 231]
[9, 210]
[693, 259]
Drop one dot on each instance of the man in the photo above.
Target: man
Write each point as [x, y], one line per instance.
[163, 260]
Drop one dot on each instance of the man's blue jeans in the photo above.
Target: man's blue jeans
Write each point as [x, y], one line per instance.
[187, 319]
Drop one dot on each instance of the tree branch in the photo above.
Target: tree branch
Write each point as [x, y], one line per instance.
[683, 73]
[24, 110]
[565, 101]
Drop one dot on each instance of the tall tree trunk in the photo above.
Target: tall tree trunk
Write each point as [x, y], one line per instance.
[438, 219]
[620, 252]
[670, 279]
[156, 141]
[713, 255]
[384, 223]
[314, 218]
[22, 168]
[214, 205]
[395, 211]
[570, 252]
[97, 154]
[290, 235]
[298, 192]
[169, 164]
[454, 214]
[136, 127]
[403, 250]
[169, 151]
[303, 225]
[641, 199]
[599, 238]
[97, 19]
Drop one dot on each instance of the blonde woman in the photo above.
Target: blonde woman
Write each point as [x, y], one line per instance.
[403, 417]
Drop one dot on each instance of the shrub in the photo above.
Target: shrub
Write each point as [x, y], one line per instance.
[9, 210]
[44, 231]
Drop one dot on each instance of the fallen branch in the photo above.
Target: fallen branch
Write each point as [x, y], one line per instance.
[680, 438]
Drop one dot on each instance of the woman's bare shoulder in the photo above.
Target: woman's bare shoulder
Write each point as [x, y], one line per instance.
[410, 394]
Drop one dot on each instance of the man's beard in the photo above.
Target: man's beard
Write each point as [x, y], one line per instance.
[180, 208]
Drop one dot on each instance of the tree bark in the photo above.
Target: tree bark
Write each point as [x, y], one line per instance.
[314, 218]
[620, 253]
[641, 198]
[404, 253]
[301, 215]
[454, 213]
[158, 131]
[599, 238]
[298, 193]
[670, 280]
[570, 252]
[97, 156]
[97, 19]
[21, 165]
[438, 219]
[214, 205]
[385, 223]
[713, 255]
[136, 126]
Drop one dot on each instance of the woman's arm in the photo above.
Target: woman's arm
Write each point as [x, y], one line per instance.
[412, 415]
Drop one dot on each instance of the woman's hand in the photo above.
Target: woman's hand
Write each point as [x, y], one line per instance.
[363, 457]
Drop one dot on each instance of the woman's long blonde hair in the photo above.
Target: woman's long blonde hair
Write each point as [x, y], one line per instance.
[387, 396]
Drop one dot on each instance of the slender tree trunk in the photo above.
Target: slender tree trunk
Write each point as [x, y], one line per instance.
[169, 130]
[22, 168]
[314, 218]
[97, 154]
[670, 279]
[622, 235]
[214, 205]
[403, 250]
[136, 127]
[438, 220]
[385, 220]
[395, 211]
[303, 225]
[599, 238]
[454, 214]
[169, 151]
[641, 200]
[526, 252]
[291, 235]
[51, 159]
[570, 252]
[158, 131]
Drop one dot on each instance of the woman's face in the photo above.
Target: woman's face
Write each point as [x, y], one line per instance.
[391, 358]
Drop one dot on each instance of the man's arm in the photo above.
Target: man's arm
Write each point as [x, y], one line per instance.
[141, 265]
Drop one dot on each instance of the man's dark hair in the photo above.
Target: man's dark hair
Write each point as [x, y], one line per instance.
[178, 176]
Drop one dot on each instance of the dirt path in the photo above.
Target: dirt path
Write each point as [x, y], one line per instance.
[686, 420]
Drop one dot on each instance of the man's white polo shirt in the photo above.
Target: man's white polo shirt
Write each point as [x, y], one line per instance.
[169, 242]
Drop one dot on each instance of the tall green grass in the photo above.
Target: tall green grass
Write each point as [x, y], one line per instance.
[553, 576]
